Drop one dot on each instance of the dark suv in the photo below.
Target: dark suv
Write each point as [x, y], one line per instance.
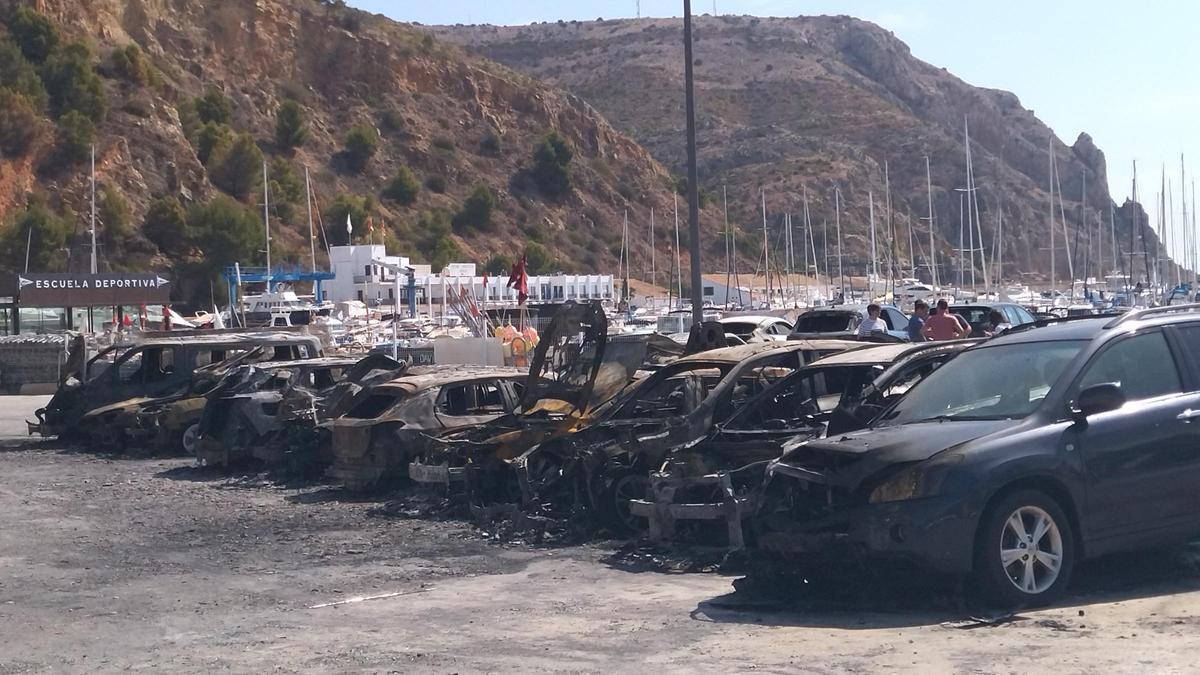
[1013, 461]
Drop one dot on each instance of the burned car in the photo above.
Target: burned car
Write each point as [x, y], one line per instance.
[1021, 456]
[386, 426]
[605, 465]
[716, 479]
[159, 365]
[249, 414]
[575, 371]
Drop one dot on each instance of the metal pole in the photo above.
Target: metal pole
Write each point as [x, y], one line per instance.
[94, 267]
[267, 225]
[312, 239]
[932, 253]
[693, 173]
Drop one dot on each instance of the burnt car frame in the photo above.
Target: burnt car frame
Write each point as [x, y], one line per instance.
[574, 374]
[716, 479]
[605, 465]
[386, 426]
[246, 414]
[1023, 455]
[155, 367]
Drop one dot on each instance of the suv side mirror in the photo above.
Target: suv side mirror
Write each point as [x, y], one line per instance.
[1099, 398]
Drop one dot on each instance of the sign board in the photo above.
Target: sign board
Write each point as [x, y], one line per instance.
[92, 290]
[460, 270]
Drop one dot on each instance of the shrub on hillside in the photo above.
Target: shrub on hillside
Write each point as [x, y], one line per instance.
[19, 75]
[436, 184]
[391, 122]
[128, 63]
[46, 234]
[74, 137]
[166, 226]
[72, 84]
[538, 259]
[238, 168]
[358, 208]
[291, 129]
[212, 139]
[20, 124]
[476, 212]
[226, 231]
[113, 212]
[498, 264]
[403, 188]
[552, 165]
[490, 144]
[34, 33]
[361, 143]
[214, 107]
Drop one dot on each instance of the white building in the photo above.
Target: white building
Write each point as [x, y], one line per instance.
[359, 277]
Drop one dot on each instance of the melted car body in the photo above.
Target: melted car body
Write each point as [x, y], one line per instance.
[608, 461]
[717, 478]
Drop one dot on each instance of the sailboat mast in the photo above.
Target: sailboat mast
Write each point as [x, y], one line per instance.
[1053, 275]
[874, 251]
[653, 277]
[837, 216]
[766, 250]
[932, 253]
[809, 244]
[267, 224]
[312, 237]
[1186, 257]
[94, 267]
[912, 256]
[678, 259]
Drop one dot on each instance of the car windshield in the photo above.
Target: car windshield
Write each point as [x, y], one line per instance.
[1005, 381]
[823, 322]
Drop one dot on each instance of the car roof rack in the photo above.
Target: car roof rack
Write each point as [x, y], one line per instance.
[1052, 320]
[1151, 312]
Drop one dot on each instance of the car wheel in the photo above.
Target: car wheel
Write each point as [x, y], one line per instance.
[626, 487]
[1025, 550]
[189, 437]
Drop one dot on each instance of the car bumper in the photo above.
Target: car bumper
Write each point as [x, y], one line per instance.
[937, 532]
[439, 475]
[664, 508]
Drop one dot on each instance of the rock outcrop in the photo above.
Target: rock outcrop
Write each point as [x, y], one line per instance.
[789, 105]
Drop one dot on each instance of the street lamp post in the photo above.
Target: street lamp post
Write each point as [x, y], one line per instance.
[693, 178]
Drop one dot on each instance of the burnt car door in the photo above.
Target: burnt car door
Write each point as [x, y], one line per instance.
[862, 405]
[475, 402]
[798, 405]
[1140, 460]
[148, 371]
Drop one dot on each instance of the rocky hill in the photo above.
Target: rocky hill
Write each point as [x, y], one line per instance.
[182, 98]
[789, 104]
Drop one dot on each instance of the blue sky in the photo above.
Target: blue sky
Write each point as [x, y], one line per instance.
[1127, 73]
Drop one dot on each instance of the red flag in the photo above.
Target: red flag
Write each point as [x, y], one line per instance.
[519, 280]
[370, 226]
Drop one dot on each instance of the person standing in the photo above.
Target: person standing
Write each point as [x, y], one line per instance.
[998, 323]
[871, 324]
[917, 321]
[943, 325]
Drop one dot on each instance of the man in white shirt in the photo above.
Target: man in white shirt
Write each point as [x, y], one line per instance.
[871, 324]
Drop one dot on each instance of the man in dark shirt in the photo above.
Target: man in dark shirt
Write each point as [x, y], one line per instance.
[917, 321]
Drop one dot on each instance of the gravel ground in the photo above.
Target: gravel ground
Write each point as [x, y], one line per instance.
[111, 564]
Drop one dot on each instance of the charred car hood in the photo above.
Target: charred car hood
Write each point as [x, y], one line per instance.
[851, 458]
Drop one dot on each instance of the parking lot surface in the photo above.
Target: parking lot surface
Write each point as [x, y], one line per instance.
[112, 563]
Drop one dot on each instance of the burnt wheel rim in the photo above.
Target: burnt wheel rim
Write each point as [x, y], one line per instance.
[628, 488]
[190, 436]
[1031, 550]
